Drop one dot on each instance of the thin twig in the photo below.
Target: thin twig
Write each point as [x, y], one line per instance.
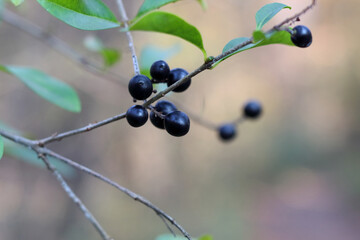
[75, 198]
[47, 152]
[87, 128]
[125, 21]
[59, 45]
[296, 16]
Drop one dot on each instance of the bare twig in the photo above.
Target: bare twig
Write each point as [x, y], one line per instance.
[89, 127]
[60, 46]
[296, 16]
[75, 198]
[125, 21]
[47, 152]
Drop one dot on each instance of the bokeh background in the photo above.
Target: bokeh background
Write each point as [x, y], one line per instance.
[293, 174]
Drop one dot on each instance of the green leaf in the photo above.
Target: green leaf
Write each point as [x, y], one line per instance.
[82, 14]
[206, 237]
[30, 157]
[110, 56]
[170, 237]
[17, 2]
[51, 89]
[1, 147]
[258, 35]
[274, 37]
[150, 5]
[267, 12]
[203, 4]
[171, 24]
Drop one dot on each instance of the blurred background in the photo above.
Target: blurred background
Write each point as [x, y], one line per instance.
[292, 174]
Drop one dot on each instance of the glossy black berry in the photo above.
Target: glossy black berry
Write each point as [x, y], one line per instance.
[175, 75]
[159, 71]
[137, 116]
[177, 123]
[164, 107]
[252, 109]
[301, 36]
[227, 131]
[140, 87]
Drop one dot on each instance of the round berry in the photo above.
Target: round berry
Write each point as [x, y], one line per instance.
[227, 131]
[175, 75]
[140, 87]
[164, 107]
[252, 109]
[301, 36]
[159, 70]
[136, 116]
[177, 123]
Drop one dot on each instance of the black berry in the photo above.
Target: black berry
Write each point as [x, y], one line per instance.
[301, 36]
[140, 87]
[227, 131]
[164, 107]
[137, 116]
[252, 109]
[177, 123]
[159, 71]
[175, 75]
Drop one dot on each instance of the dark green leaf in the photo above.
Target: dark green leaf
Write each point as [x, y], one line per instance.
[267, 12]
[17, 2]
[171, 24]
[274, 37]
[82, 14]
[1, 147]
[51, 89]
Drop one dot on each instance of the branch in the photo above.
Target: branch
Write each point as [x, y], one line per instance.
[58, 45]
[125, 21]
[75, 199]
[42, 151]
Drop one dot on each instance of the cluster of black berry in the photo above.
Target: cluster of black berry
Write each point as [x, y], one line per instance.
[251, 110]
[165, 114]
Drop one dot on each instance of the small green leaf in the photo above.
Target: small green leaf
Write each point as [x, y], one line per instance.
[258, 35]
[110, 56]
[1, 147]
[274, 37]
[82, 14]
[170, 237]
[171, 24]
[206, 237]
[17, 2]
[267, 12]
[203, 4]
[51, 89]
[150, 5]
